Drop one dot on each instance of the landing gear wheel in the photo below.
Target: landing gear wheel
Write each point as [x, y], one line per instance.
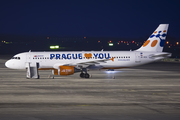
[82, 75]
[86, 75]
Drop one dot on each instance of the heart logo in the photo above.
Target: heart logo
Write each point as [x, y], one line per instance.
[88, 56]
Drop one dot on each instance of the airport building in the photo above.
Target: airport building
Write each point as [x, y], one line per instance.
[12, 44]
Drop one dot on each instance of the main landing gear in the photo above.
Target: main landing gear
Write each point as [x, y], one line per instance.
[84, 75]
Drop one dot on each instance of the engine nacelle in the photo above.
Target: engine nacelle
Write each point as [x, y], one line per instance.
[64, 70]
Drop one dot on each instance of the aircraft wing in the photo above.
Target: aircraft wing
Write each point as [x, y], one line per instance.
[83, 64]
[88, 63]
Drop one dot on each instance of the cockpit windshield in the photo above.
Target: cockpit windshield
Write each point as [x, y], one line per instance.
[18, 58]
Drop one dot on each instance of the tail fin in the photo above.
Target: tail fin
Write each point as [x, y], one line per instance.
[156, 41]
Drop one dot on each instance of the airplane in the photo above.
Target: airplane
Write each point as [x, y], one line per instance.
[68, 63]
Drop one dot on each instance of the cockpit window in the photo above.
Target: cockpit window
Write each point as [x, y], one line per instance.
[18, 58]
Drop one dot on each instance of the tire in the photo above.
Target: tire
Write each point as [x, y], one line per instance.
[86, 75]
[82, 75]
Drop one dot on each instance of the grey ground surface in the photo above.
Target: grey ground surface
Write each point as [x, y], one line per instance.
[148, 92]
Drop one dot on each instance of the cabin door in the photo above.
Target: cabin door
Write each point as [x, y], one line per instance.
[138, 57]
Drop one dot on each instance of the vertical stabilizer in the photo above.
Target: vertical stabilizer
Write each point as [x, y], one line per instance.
[155, 42]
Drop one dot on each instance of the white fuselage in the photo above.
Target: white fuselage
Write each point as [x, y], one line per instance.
[48, 60]
[67, 63]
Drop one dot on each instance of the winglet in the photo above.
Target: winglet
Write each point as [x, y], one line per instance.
[112, 58]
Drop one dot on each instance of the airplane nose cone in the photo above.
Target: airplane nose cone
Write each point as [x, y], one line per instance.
[7, 64]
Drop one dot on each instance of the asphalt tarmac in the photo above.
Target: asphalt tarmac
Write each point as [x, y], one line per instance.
[148, 92]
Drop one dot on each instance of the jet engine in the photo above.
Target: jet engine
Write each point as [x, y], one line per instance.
[65, 70]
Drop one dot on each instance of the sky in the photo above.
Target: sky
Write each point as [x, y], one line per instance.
[94, 18]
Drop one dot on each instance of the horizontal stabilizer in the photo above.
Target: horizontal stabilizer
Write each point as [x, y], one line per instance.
[160, 56]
